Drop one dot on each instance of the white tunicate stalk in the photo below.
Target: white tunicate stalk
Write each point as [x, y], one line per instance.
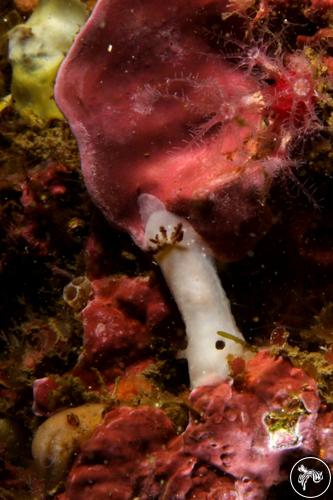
[189, 271]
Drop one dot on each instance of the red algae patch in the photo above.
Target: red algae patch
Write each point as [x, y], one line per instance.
[120, 318]
[119, 456]
[237, 442]
[250, 422]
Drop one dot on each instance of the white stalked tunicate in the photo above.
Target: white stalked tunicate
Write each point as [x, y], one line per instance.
[189, 271]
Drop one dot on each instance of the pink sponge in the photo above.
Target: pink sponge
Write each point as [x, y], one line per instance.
[156, 109]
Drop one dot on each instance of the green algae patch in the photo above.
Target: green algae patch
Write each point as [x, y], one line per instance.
[36, 50]
[286, 418]
[282, 424]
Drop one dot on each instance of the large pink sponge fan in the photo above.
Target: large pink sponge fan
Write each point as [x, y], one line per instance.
[157, 110]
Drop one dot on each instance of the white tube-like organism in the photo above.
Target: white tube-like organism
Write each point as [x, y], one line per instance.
[190, 273]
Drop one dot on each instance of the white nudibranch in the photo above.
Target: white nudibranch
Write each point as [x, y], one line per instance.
[189, 271]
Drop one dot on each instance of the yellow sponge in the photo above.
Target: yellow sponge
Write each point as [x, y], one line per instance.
[36, 50]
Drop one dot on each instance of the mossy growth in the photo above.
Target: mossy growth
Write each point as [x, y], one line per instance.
[23, 146]
[321, 331]
[314, 364]
[71, 391]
